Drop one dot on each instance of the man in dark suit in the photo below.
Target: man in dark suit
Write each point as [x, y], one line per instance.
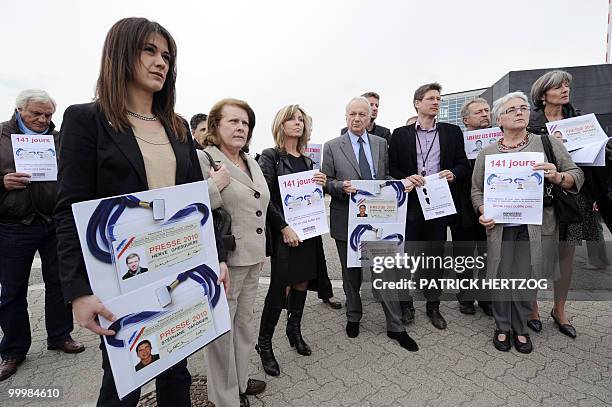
[357, 155]
[466, 232]
[417, 151]
[373, 128]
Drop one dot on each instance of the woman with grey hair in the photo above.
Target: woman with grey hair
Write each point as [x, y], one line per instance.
[516, 250]
[550, 95]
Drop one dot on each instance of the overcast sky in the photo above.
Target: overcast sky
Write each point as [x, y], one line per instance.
[315, 53]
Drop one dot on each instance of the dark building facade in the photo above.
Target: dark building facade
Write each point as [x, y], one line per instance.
[451, 104]
[591, 89]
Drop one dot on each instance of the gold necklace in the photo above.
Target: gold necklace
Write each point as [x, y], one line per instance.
[150, 142]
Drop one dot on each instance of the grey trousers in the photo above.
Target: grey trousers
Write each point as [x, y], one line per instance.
[512, 308]
[227, 358]
[352, 278]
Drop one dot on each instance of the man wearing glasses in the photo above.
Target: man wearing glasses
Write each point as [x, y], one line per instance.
[419, 150]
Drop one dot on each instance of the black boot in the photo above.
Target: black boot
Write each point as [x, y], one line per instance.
[269, 319]
[295, 310]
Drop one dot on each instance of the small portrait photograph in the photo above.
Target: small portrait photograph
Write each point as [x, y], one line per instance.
[492, 140]
[559, 136]
[362, 211]
[146, 356]
[477, 146]
[134, 266]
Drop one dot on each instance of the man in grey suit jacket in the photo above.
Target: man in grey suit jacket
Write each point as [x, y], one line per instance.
[352, 156]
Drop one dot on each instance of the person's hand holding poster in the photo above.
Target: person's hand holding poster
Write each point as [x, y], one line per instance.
[435, 198]
[476, 140]
[35, 155]
[151, 259]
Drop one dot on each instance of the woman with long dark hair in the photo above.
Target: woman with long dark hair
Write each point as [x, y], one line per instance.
[129, 139]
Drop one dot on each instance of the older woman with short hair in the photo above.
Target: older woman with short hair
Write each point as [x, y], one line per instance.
[515, 250]
[246, 198]
[550, 95]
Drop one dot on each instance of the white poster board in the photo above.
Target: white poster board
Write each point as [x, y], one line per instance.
[376, 212]
[303, 204]
[157, 276]
[435, 198]
[35, 155]
[513, 191]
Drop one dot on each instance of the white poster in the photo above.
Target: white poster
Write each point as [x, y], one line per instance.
[152, 260]
[476, 140]
[303, 204]
[435, 198]
[35, 155]
[577, 132]
[314, 151]
[513, 191]
[377, 212]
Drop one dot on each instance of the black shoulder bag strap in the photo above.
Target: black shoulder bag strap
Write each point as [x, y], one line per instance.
[221, 218]
[566, 206]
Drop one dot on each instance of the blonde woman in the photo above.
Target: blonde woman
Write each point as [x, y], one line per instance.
[295, 263]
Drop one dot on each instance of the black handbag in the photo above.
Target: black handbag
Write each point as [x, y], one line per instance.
[566, 206]
[222, 220]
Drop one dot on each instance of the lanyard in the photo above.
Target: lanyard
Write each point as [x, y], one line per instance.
[423, 172]
[101, 228]
[202, 274]
[400, 191]
[361, 229]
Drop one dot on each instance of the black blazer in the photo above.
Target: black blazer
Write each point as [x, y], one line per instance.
[98, 162]
[403, 160]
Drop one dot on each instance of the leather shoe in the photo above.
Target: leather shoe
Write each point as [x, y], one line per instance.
[332, 303]
[486, 307]
[566, 329]
[504, 345]
[408, 316]
[404, 340]
[436, 318]
[68, 346]
[244, 400]
[535, 324]
[8, 367]
[467, 307]
[352, 329]
[255, 387]
[526, 347]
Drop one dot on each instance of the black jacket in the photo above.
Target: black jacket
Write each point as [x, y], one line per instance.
[377, 130]
[274, 163]
[403, 160]
[34, 203]
[98, 162]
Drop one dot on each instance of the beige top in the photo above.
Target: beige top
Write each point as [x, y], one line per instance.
[159, 159]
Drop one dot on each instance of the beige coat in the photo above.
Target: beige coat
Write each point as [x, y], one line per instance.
[246, 201]
[544, 239]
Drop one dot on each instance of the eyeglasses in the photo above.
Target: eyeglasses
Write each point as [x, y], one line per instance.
[515, 110]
